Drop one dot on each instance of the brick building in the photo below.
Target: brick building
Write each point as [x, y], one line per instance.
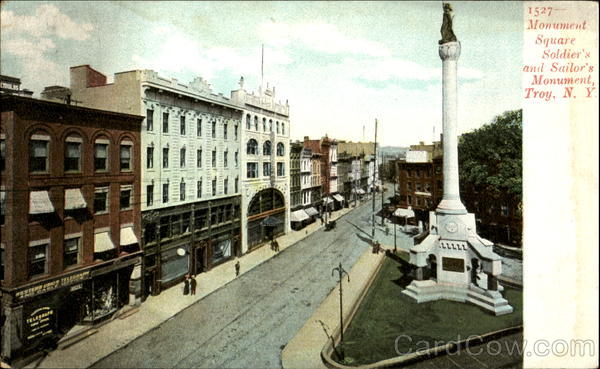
[70, 233]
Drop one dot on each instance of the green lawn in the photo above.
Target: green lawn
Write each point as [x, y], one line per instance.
[385, 314]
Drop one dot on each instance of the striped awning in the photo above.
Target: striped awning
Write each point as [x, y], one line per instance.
[39, 203]
[298, 216]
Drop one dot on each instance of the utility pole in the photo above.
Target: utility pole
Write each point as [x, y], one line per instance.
[341, 273]
[394, 183]
[373, 183]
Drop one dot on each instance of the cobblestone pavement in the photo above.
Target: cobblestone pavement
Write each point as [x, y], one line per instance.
[249, 321]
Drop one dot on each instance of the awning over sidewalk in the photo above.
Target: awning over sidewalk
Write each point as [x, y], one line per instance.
[327, 200]
[405, 213]
[128, 236]
[74, 199]
[102, 242]
[298, 216]
[359, 191]
[311, 211]
[338, 197]
[39, 203]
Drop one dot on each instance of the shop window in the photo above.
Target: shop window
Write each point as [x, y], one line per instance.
[165, 157]
[201, 219]
[165, 193]
[101, 155]
[73, 154]
[38, 154]
[199, 127]
[182, 125]
[125, 197]
[165, 123]
[175, 225]
[150, 157]
[251, 170]
[280, 149]
[185, 222]
[266, 169]
[252, 147]
[164, 229]
[126, 150]
[101, 200]
[221, 250]
[149, 120]
[267, 148]
[149, 195]
[71, 252]
[199, 158]
[38, 254]
[150, 233]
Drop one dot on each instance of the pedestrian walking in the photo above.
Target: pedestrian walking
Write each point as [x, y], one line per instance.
[237, 268]
[186, 285]
[193, 285]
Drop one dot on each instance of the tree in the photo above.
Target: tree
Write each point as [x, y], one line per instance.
[490, 158]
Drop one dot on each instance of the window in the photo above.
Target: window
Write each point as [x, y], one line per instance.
[150, 157]
[125, 197]
[2, 207]
[199, 127]
[256, 122]
[149, 120]
[71, 252]
[282, 128]
[37, 259]
[236, 184]
[267, 148]
[182, 125]
[504, 210]
[199, 188]
[73, 154]
[100, 200]
[199, 158]
[214, 158]
[225, 155]
[235, 131]
[225, 185]
[165, 193]
[280, 169]
[182, 190]
[409, 200]
[251, 170]
[248, 121]
[165, 123]
[266, 169]
[225, 125]
[270, 125]
[2, 154]
[1, 262]
[236, 157]
[252, 147]
[277, 125]
[126, 156]
[182, 157]
[280, 149]
[165, 157]
[214, 187]
[264, 124]
[149, 195]
[214, 129]
[100, 156]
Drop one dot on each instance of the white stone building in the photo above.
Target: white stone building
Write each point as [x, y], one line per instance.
[305, 176]
[190, 191]
[264, 159]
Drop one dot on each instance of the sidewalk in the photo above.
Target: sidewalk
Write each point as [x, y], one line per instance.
[304, 350]
[158, 309]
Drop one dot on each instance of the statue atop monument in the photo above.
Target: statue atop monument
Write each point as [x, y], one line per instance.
[447, 32]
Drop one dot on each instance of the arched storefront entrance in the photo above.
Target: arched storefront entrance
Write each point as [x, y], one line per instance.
[268, 202]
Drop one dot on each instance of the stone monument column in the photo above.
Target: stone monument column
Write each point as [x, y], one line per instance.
[450, 204]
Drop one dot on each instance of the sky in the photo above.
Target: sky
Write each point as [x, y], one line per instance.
[340, 65]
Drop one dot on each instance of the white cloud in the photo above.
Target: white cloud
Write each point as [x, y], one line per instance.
[321, 37]
[47, 21]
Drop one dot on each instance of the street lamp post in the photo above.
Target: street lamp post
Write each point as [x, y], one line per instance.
[341, 273]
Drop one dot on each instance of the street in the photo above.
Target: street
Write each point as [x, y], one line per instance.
[247, 322]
